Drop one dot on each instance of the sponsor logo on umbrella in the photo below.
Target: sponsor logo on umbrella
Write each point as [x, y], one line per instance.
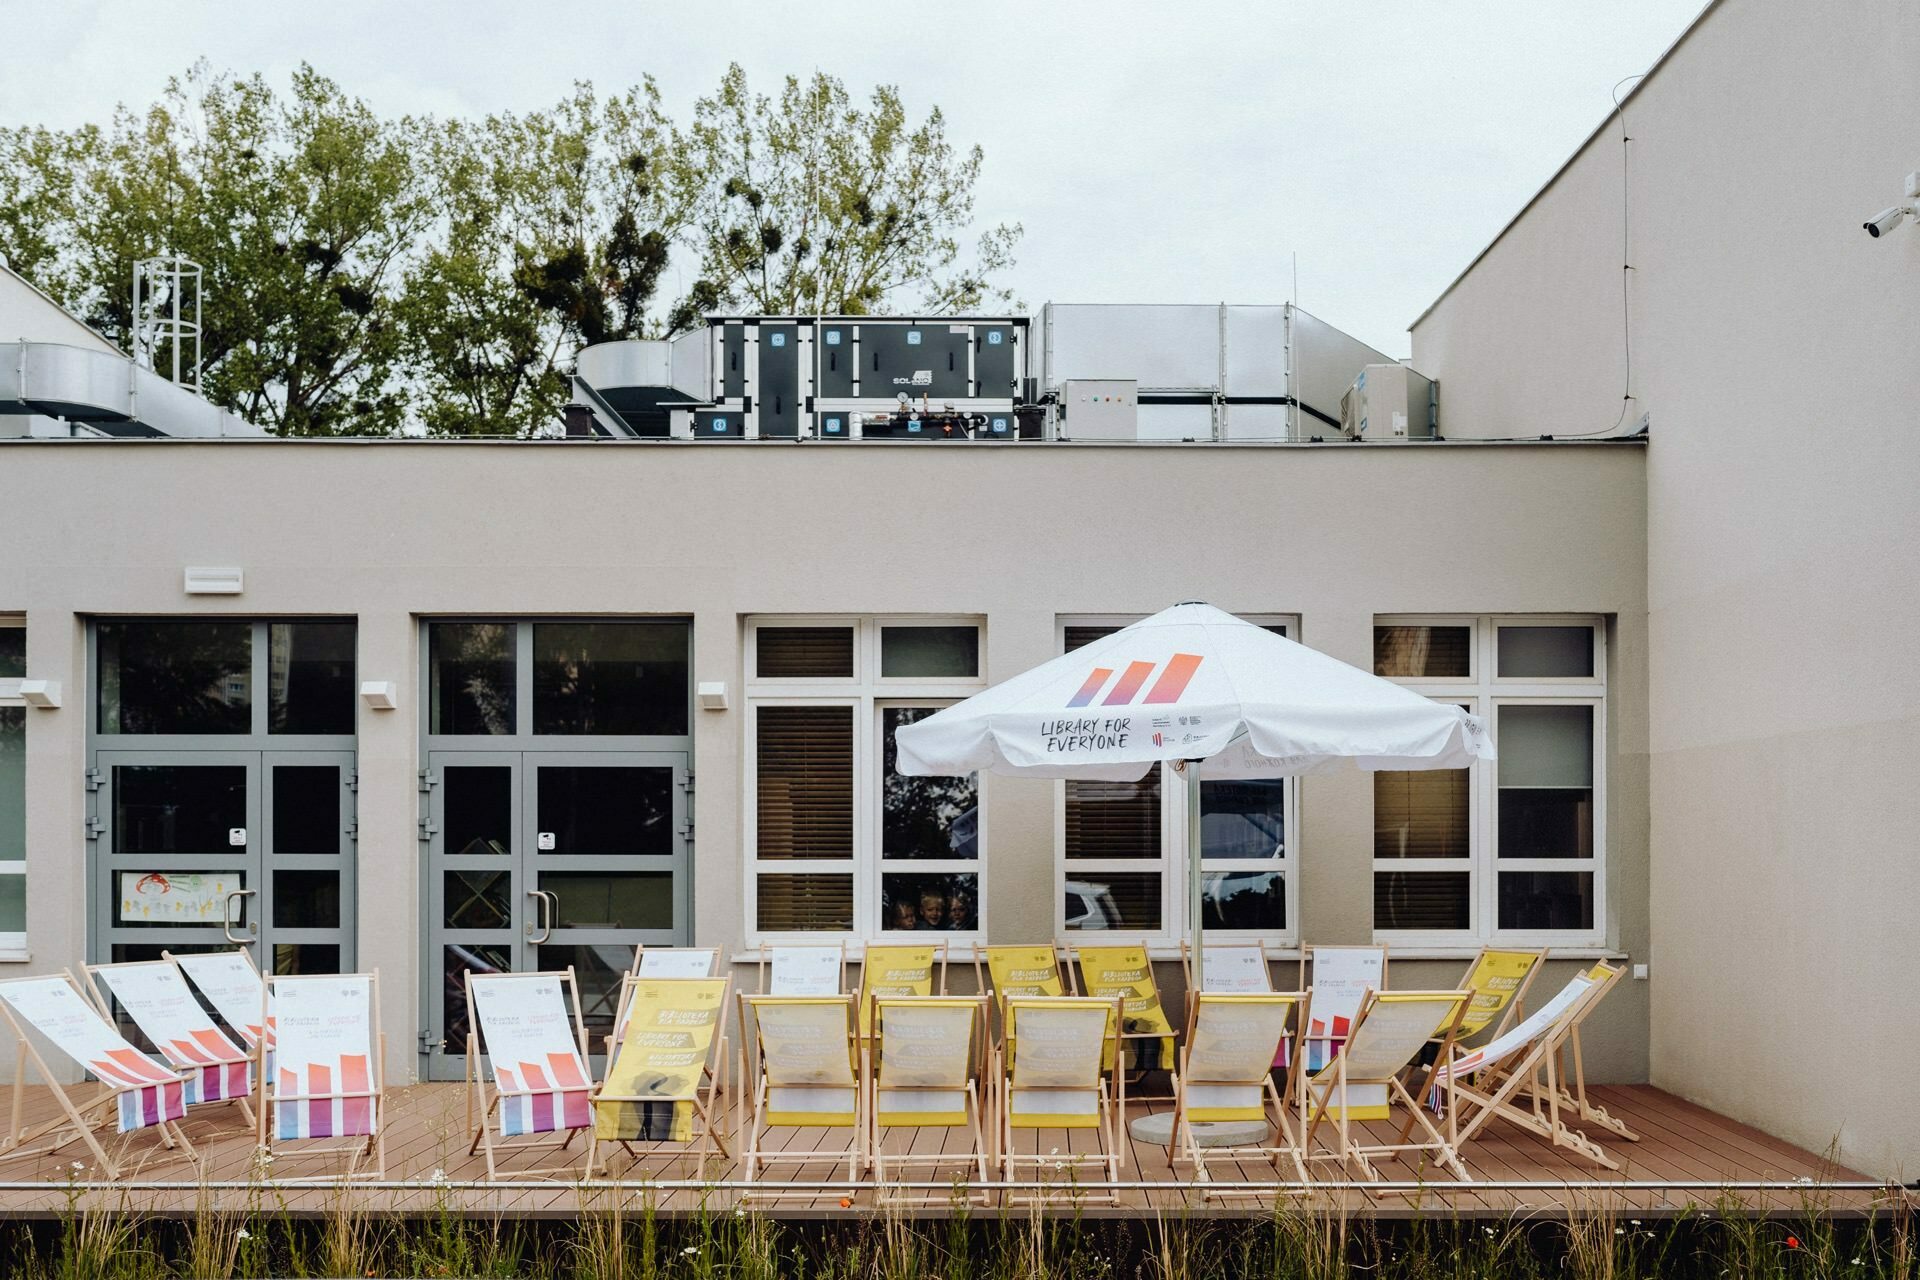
[1174, 677]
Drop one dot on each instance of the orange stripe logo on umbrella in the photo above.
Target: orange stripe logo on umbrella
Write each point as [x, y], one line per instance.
[1173, 681]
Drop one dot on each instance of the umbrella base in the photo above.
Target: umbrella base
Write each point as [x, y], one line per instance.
[1158, 1129]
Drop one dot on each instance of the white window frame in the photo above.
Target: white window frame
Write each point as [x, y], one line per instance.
[13, 944]
[868, 694]
[1171, 865]
[1483, 692]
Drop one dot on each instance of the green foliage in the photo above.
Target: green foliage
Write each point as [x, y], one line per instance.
[366, 275]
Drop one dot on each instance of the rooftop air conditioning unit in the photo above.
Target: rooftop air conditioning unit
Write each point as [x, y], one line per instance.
[1375, 406]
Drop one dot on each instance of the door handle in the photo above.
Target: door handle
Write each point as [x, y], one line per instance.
[226, 918]
[548, 905]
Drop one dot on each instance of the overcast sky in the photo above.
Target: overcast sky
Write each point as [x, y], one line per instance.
[1178, 151]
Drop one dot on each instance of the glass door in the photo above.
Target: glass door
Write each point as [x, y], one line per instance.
[540, 860]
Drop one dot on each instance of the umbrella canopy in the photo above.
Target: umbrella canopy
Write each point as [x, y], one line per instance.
[1192, 683]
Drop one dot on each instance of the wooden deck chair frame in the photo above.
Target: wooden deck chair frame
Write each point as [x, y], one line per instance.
[1275, 1099]
[767, 958]
[260, 1044]
[973, 1114]
[1572, 1082]
[709, 1136]
[714, 960]
[1516, 1004]
[1307, 953]
[85, 1117]
[484, 1094]
[1109, 1113]
[353, 1151]
[755, 1095]
[96, 989]
[1076, 972]
[1334, 1081]
[1532, 1078]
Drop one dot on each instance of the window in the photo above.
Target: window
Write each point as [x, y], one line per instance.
[838, 842]
[13, 788]
[565, 679]
[1511, 850]
[1123, 845]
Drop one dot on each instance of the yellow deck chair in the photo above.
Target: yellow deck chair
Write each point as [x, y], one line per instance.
[1516, 1076]
[1499, 978]
[802, 1074]
[1126, 973]
[1022, 971]
[891, 970]
[537, 1086]
[672, 1035]
[1226, 1074]
[1390, 1031]
[1057, 1078]
[926, 1071]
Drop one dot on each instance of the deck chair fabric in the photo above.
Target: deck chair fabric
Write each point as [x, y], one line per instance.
[235, 989]
[1340, 979]
[803, 969]
[676, 962]
[1022, 971]
[804, 1076]
[1232, 968]
[1057, 1077]
[926, 1060]
[143, 1093]
[155, 995]
[1499, 978]
[1226, 1074]
[894, 970]
[328, 1084]
[1126, 973]
[1386, 1037]
[537, 1080]
[671, 1037]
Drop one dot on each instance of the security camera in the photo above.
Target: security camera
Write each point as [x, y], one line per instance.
[1886, 220]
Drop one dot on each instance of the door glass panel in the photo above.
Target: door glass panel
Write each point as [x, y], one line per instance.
[930, 903]
[599, 809]
[168, 808]
[1243, 820]
[479, 809]
[305, 957]
[598, 969]
[610, 678]
[621, 900]
[1245, 900]
[936, 817]
[310, 677]
[175, 677]
[455, 962]
[470, 677]
[306, 899]
[477, 899]
[178, 899]
[306, 808]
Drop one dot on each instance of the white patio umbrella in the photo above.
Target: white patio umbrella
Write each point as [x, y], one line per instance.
[1218, 696]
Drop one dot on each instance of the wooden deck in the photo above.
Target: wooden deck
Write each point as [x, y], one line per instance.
[1686, 1157]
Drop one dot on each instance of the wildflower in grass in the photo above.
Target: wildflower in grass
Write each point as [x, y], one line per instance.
[690, 1250]
[1793, 1242]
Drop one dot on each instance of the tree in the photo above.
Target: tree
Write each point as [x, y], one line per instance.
[814, 204]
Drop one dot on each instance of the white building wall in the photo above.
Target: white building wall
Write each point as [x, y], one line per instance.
[1777, 348]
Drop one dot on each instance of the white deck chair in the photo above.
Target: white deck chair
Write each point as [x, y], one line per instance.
[1226, 1074]
[1340, 979]
[926, 1074]
[155, 995]
[1390, 1031]
[1573, 1082]
[676, 962]
[803, 969]
[1056, 1078]
[141, 1092]
[537, 1084]
[672, 1035]
[326, 1095]
[802, 1075]
[233, 986]
[1522, 1065]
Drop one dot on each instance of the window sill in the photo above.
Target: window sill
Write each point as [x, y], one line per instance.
[16, 957]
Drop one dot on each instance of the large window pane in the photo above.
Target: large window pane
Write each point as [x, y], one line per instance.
[178, 808]
[809, 653]
[13, 651]
[930, 903]
[1430, 900]
[805, 903]
[1545, 652]
[470, 666]
[599, 809]
[175, 677]
[924, 817]
[804, 783]
[1245, 819]
[13, 784]
[13, 904]
[627, 678]
[306, 808]
[1421, 814]
[1114, 819]
[1423, 652]
[1245, 900]
[310, 677]
[1546, 781]
[1546, 900]
[1124, 900]
[930, 652]
[615, 900]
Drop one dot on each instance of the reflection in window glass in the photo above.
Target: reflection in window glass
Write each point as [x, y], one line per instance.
[13, 651]
[1243, 819]
[598, 809]
[1114, 819]
[178, 808]
[1422, 652]
[475, 899]
[471, 677]
[310, 677]
[930, 652]
[1422, 900]
[930, 903]
[1554, 653]
[1546, 900]
[616, 900]
[924, 817]
[1245, 900]
[292, 958]
[175, 677]
[1546, 781]
[805, 903]
[598, 971]
[625, 678]
[456, 961]
[1126, 900]
[1421, 814]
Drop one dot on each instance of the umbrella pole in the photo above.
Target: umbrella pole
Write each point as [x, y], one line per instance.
[1194, 880]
